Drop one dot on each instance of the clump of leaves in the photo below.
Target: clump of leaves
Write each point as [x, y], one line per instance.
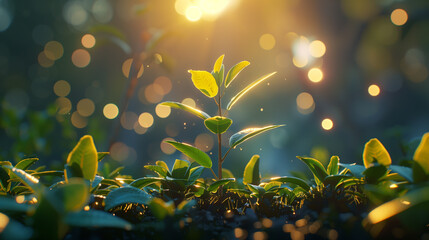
[214, 85]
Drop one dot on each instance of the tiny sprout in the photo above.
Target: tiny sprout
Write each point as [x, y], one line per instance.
[214, 85]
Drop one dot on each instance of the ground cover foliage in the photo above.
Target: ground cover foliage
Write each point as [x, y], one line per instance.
[372, 199]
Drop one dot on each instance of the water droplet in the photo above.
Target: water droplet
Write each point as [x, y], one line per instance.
[260, 149]
[184, 124]
[268, 84]
[241, 149]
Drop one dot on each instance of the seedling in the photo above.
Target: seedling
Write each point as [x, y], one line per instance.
[214, 85]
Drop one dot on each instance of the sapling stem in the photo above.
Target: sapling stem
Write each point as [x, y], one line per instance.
[214, 174]
[219, 140]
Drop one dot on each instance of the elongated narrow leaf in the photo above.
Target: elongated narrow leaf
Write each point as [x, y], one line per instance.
[26, 163]
[215, 186]
[251, 172]
[247, 89]
[101, 155]
[421, 155]
[97, 219]
[49, 173]
[187, 108]
[218, 124]
[26, 178]
[194, 174]
[293, 180]
[145, 181]
[180, 168]
[205, 82]
[374, 152]
[86, 156]
[126, 195]
[333, 166]
[234, 71]
[248, 133]
[194, 153]
[315, 167]
[219, 75]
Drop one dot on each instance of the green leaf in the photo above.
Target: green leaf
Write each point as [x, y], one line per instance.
[26, 178]
[405, 172]
[272, 186]
[86, 156]
[71, 196]
[145, 181]
[354, 168]
[234, 71]
[374, 152]
[216, 185]
[126, 195]
[194, 174]
[163, 164]
[161, 171]
[205, 82]
[227, 173]
[187, 108]
[218, 64]
[293, 180]
[419, 174]
[115, 172]
[374, 173]
[161, 209]
[26, 163]
[251, 172]
[4, 177]
[248, 133]
[218, 124]
[421, 155]
[101, 155]
[247, 89]
[49, 173]
[192, 152]
[257, 190]
[333, 165]
[10, 205]
[179, 170]
[219, 76]
[334, 180]
[315, 167]
[96, 219]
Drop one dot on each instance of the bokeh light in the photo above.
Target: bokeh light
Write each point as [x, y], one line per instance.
[374, 90]
[146, 120]
[54, 50]
[81, 58]
[189, 101]
[126, 66]
[128, 119]
[64, 105]
[152, 93]
[88, 41]
[317, 48]
[267, 41]
[119, 151]
[162, 111]
[304, 100]
[327, 124]
[301, 52]
[204, 142]
[193, 13]
[110, 111]
[4, 221]
[139, 129]
[399, 17]
[166, 147]
[164, 83]
[78, 121]
[85, 107]
[315, 75]
[206, 9]
[44, 61]
[62, 88]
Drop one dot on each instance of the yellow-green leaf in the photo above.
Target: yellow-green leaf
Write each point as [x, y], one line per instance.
[218, 124]
[234, 71]
[187, 108]
[194, 153]
[374, 152]
[246, 89]
[205, 82]
[251, 172]
[218, 64]
[421, 155]
[86, 156]
[248, 133]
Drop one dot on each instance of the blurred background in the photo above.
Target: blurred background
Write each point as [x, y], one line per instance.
[347, 71]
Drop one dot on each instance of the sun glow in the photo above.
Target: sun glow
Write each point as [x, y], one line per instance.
[201, 9]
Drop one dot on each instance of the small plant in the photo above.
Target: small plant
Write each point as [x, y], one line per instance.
[214, 85]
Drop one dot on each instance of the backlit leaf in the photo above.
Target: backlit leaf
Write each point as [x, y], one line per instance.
[179, 169]
[192, 152]
[374, 152]
[25, 178]
[101, 155]
[333, 165]
[194, 174]
[355, 169]
[251, 172]
[71, 196]
[218, 124]
[145, 181]
[161, 171]
[315, 167]
[218, 64]
[234, 71]
[421, 155]
[86, 156]
[247, 89]
[248, 133]
[187, 108]
[26, 163]
[205, 82]
[215, 186]
[161, 209]
[125, 195]
[293, 180]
